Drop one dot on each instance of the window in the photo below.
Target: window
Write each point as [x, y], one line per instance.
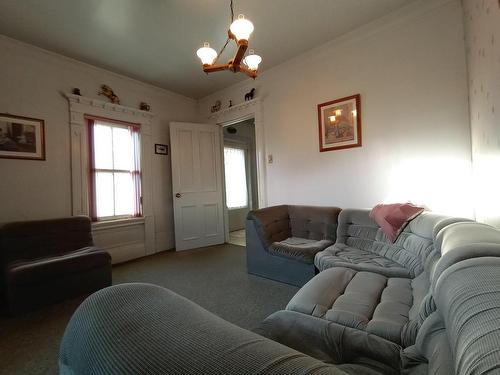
[115, 172]
[236, 178]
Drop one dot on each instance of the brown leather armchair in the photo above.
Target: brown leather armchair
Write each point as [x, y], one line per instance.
[47, 261]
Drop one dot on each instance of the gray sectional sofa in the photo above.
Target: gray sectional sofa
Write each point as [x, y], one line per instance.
[435, 309]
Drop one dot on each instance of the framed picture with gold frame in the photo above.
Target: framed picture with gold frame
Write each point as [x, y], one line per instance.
[22, 137]
[339, 123]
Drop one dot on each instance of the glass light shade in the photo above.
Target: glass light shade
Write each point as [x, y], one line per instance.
[252, 60]
[241, 28]
[206, 54]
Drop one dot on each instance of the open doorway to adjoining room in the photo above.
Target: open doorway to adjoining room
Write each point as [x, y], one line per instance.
[240, 172]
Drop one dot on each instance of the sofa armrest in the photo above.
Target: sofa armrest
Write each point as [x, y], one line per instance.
[143, 328]
[271, 223]
[328, 341]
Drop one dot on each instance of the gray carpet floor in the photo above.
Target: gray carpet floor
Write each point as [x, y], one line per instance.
[213, 277]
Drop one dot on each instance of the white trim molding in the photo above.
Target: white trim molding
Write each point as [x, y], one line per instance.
[238, 113]
[79, 106]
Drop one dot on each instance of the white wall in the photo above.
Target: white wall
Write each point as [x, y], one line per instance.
[32, 82]
[482, 26]
[409, 68]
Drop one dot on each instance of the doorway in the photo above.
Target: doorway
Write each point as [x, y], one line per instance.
[240, 172]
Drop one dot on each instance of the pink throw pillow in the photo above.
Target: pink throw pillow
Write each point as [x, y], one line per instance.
[392, 218]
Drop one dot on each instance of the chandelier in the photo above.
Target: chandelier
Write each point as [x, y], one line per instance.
[239, 32]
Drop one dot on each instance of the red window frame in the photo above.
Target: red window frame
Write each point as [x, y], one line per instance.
[135, 173]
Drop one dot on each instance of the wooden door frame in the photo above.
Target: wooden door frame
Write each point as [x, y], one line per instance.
[233, 115]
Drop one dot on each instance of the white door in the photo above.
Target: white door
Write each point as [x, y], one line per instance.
[197, 185]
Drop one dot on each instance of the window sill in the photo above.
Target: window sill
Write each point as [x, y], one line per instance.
[238, 208]
[118, 223]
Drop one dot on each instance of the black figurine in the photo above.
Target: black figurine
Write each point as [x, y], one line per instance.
[230, 103]
[249, 95]
[144, 107]
[76, 91]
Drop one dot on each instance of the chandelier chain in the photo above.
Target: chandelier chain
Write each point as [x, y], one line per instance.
[227, 40]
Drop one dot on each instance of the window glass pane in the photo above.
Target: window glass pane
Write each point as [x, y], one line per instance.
[123, 151]
[104, 194]
[103, 147]
[236, 178]
[124, 194]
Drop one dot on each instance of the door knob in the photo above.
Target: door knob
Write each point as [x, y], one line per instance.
[178, 195]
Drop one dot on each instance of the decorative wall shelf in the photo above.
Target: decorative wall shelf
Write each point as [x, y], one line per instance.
[234, 109]
[107, 105]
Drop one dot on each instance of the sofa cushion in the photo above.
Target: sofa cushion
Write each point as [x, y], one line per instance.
[340, 255]
[272, 224]
[301, 249]
[410, 250]
[312, 222]
[39, 270]
[362, 300]
[392, 218]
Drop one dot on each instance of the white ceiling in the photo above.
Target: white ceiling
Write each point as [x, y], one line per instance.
[155, 40]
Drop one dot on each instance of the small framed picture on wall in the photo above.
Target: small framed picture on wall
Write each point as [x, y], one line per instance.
[339, 123]
[22, 137]
[161, 149]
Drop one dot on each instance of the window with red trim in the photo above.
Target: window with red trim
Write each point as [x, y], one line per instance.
[115, 169]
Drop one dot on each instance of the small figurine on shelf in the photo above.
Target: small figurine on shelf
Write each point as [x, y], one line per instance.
[216, 107]
[76, 91]
[249, 95]
[144, 107]
[108, 92]
[230, 103]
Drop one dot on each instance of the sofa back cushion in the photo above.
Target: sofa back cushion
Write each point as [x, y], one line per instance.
[463, 240]
[272, 224]
[314, 223]
[37, 239]
[411, 249]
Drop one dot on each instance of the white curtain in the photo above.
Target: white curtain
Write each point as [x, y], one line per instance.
[236, 178]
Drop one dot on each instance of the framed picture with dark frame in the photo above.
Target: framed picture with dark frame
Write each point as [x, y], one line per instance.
[22, 137]
[339, 123]
[161, 149]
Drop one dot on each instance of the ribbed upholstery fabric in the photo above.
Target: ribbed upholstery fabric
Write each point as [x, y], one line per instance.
[362, 245]
[282, 241]
[363, 300]
[341, 255]
[391, 307]
[301, 249]
[467, 296]
[272, 224]
[25, 272]
[462, 335]
[41, 238]
[314, 223]
[46, 261]
[331, 342]
[145, 329]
